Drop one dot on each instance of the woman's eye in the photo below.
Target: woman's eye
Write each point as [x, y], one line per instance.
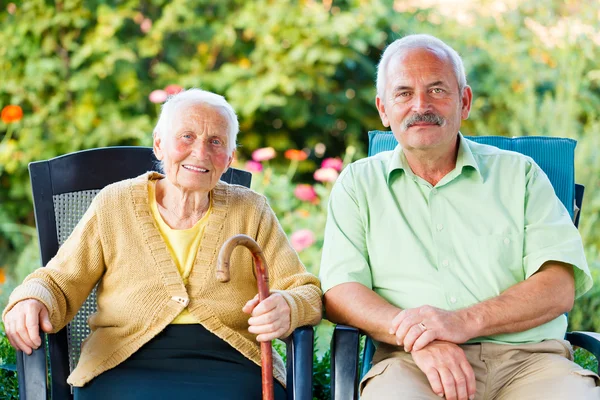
[216, 141]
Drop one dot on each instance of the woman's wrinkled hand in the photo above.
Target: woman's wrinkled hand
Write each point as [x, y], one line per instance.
[270, 318]
[23, 322]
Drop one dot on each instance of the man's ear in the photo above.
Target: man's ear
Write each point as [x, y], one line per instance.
[466, 99]
[381, 109]
[156, 145]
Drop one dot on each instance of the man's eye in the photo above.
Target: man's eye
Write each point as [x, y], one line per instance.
[437, 90]
[216, 141]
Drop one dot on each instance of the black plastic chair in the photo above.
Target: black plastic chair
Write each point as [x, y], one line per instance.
[346, 372]
[63, 188]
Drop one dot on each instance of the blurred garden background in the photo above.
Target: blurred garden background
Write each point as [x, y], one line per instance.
[79, 74]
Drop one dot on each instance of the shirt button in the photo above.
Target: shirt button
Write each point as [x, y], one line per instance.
[506, 240]
[433, 191]
[445, 263]
[440, 227]
[452, 300]
[181, 300]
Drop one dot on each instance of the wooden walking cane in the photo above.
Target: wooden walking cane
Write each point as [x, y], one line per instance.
[262, 278]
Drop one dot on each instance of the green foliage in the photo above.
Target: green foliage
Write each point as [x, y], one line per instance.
[586, 359]
[585, 315]
[299, 74]
[8, 376]
[322, 375]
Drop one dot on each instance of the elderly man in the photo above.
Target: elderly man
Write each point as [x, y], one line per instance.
[456, 258]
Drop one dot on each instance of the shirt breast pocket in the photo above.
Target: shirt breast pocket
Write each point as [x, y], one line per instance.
[502, 256]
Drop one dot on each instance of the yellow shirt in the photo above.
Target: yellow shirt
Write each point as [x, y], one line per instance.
[182, 244]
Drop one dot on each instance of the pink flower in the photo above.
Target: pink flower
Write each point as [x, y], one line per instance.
[325, 175]
[302, 239]
[253, 166]
[305, 192]
[263, 154]
[173, 89]
[146, 25]
[334, 163]
[158, 96]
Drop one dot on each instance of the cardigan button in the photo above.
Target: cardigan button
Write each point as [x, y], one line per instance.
[181, 300]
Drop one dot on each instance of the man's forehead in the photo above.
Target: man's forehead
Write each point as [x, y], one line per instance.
[433, 64]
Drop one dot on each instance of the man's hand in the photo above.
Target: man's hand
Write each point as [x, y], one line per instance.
[22, 324]
[414, 328]
[447, 370]
[270, 318]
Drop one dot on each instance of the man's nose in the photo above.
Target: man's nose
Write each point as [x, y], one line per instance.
[421, 102]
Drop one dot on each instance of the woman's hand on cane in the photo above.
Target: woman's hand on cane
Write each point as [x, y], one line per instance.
[270, 318]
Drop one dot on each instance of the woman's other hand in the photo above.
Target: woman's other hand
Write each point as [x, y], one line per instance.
[270, 318]
[22, 324]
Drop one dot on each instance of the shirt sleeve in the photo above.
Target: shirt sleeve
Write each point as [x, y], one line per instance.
[345, 254]
[550, 234]
[287, 274]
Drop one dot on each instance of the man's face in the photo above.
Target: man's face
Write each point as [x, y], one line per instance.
[422, 103]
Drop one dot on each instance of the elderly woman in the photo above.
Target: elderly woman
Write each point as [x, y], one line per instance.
[165, 326]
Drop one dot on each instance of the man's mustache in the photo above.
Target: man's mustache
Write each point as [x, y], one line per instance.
[428, 118]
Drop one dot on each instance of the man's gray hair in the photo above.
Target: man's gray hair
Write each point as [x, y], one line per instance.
[420, 41]
[191, 97]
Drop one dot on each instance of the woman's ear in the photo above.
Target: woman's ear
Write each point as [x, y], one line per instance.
[156, 145]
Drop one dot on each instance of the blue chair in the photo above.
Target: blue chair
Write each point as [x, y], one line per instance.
[556, 157]
[63, 188]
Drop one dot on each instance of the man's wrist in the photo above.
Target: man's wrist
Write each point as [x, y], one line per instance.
[472, 322]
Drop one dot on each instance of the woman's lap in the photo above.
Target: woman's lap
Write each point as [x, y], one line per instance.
[182, 361]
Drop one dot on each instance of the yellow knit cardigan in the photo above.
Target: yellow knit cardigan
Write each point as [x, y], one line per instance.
[140, 290]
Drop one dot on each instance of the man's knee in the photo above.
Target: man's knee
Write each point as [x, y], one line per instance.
[395, 378]
[552, 376]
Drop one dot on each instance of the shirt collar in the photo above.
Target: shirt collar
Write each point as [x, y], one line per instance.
[464, 159]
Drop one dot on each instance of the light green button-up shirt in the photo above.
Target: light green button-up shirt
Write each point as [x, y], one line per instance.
[486, 226]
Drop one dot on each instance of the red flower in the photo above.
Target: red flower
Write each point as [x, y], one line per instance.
[334, 163]
[325, 175]
[173, 89]
[158, 96]
[253, 166]
[302, 239]
[306, 192]
[263, 154]
[11, 113]
[297, 155]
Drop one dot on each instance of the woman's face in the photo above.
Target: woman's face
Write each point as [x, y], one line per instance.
[195, 152]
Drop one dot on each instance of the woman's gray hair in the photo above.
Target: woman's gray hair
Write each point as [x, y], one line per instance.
[420, 41]
[191, 97]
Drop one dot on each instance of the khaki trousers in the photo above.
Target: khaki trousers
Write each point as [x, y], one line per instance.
[503, 372]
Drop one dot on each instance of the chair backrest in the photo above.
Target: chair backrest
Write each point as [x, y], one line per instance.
[556, 157]
[63, 188]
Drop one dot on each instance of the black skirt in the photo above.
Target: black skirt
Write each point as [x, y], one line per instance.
[182, 362]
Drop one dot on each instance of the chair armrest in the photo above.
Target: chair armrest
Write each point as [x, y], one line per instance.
[300, 363]
[344, 362]
[32, 373]
[587, 340]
